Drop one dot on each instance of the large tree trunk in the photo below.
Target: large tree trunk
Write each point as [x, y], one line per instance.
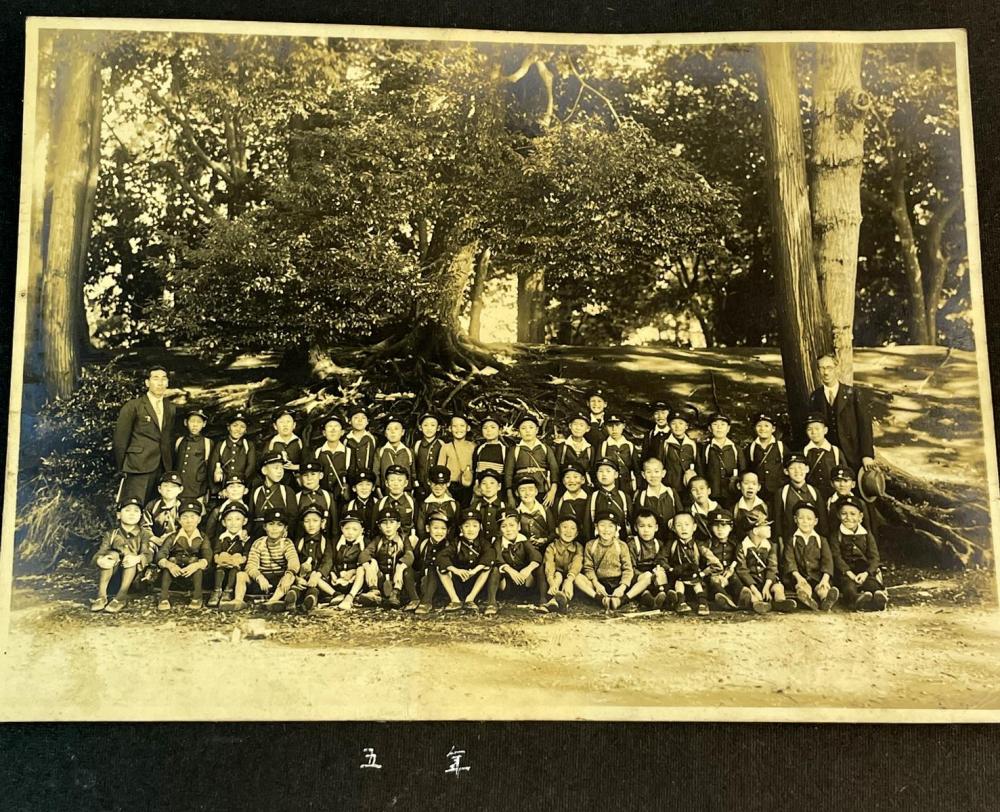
[476, 295]
[69, 166]
[835, 192]
[802, 323]
[89, 204]
[531, 306]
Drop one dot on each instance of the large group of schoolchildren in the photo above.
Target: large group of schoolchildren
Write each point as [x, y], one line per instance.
[662, 522]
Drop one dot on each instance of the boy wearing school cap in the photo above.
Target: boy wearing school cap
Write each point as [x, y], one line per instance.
[490, 452]
[723, 587]
[336, 458]
[619, 448]
[127, 549]
[842, 480]
[273, 493]
[597, 423]
[161, 515]
[395, 480]
[385, 560]
[687, 563]
[426, 451]
[438, 499]
[362, 442]
[680, 457]
[808, 562]
[517, 564]
[608, 498]
[233, 492]
[538, 522]
[234, 456]
[466, 560]
[757, 568]
[488, 503]
[423, 573]
[457, 456]
[185, 553]
[575, 450]
[394, 454]
[796, 490]
[346, 575]
[607, 571]
[650, 578]
[722, 460]
[652, 441]
[856, 561]
[574, 500]
[286, 444]
[229, 551]
[765, 456]
[821, 456]
[364, 502]
[272, 564]
[313, 495]
[657, 497]
[315, 552]
[531, 457]
[562, 563]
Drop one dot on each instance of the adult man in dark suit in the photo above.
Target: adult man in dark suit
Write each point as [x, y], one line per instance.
[847, 416]
[144, 438]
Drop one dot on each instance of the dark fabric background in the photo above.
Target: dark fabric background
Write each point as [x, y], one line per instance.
[543, 766]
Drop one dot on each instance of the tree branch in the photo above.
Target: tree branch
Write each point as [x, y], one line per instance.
[189, 135]
[584, 83]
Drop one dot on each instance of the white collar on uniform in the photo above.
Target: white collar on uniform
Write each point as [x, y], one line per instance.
[859, 532]
[726, 442]
[277, 439]
[438, 500]
[507, 542]
[743, 503]
[813, 535]
[538, 508]
[535, 443]
[623, 440]
[824, 446]
[704, 512]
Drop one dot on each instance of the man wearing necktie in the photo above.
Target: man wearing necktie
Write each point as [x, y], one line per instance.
[143, 438]
[846, 413]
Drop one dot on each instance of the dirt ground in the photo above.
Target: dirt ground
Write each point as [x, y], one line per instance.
[934, 649]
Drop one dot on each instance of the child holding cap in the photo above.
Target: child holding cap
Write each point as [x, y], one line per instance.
[185, 553]
[531, 457]
[235, 456]
[808, 562]
[607, 571]
[127, 549]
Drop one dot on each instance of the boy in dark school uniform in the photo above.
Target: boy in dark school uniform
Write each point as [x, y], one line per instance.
[233, 492]
[337, 460]
[531, 457]
[657, 497]
[537, 521]
[229, 551]
[127, 549]
[650, 583]
[273, 494]
[808, 562]
[843, 479]
[438, 499]
[597, 423]
[469, 559]
[192, 453]
[424, 572]
[362, 442]
[394, 454]
[517, 564]
[757, 568]
[702, 505]
[749, 500]
[384, 561]
[723, 587]
[235, 456]
[396, 497]
[652, 442]
[490, 453]
[607, 571]
[765, 456]
[575, 450]
[856, 561]
[315, 551]
[272, 564]
[687, 564]
[821, 457]
[722, 461]
[426, 451]
[346, 575]
[574, 500]
[161, 515]
[286, 444]
[617, 447]
[680, 458]
[185, 553]
[364, 502]
[608, 498]
[562, 563]
[488, 504]
[791, 494]
[312, 495]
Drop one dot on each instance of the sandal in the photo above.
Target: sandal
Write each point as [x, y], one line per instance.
[98, 604]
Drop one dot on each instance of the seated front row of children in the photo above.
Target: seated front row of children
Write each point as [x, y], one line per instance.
[697, 563]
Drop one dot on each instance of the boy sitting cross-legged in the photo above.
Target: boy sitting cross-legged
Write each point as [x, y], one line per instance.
[384, 561]
[650, 578]
[757, 568]
[230, 551]
[562, 562]
[809, 562]
[856, 559]
[185, 553]
[607, 565]
[127, 549]
[272, 564]
[468, 559]
[517, 563]
[687, 564]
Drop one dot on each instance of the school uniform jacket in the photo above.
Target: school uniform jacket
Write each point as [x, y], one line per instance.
[191, 455]
[446, 504]
[597, 432]
[338, 465]
[407, 511]
[725, 551]
[849, 421]
[140, 444]
[322, 499]
[785, 501]
[388, 553]
[624, 456]
[160, 518]
[811, 557]
[664, 504]
[489, 514]
[567, 453]
[615, 501]
[388, 455]
[363, 449]
[821, 460]
[757, 563]
[866, 516]
[489, 455]
[344, 555]
[317, 551]
[565, 557]
[269, 496]
[237, 458]
[517, 553]
[722, 464]
[538, 523]
[701, 519]
[538, 460]
[686, 562]
[465, 553]
[576, 506]
[856, 552]
[124, 542]
[368, 509]
[768, 462]
[652, 446]
[645, 554]
[185, 549]
[293, 451]
[679, 457]
[214, 519]
[425, 554]
[226, 542]
[425, 454]
[611, 561]
[741, 513]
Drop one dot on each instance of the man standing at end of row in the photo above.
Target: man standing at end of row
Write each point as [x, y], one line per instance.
[847, 416]
[144, 438]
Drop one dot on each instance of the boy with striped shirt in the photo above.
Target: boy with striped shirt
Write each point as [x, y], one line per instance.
[272, 564]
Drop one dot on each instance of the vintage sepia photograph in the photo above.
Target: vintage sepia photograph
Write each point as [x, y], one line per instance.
[400, 374]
